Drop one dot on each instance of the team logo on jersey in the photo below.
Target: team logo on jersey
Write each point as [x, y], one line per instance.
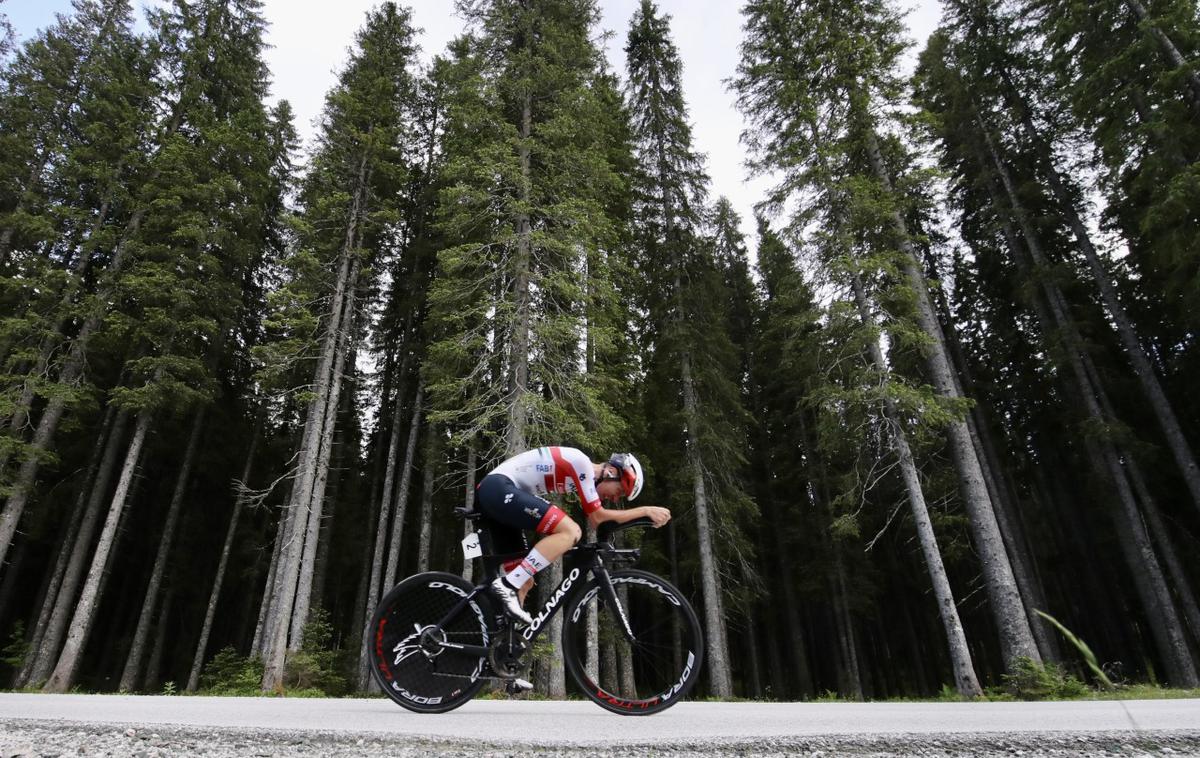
[508, 498]
[533, 513]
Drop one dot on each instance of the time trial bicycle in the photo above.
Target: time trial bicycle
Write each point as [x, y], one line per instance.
[437, 639]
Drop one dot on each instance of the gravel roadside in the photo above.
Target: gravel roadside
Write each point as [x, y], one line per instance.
[40, 739]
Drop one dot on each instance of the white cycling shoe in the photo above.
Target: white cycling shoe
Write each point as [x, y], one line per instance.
[512, 603]
[517, 686]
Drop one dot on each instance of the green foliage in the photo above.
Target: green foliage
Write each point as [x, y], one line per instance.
[13, 654]
[1088, 656]
[169, 688]
[230, 673]
[318, 664]
[530, 251]
[1029, 680]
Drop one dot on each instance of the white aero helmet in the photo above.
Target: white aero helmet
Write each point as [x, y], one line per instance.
[632, 478]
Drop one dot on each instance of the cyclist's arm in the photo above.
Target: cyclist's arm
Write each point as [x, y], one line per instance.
[600, 515]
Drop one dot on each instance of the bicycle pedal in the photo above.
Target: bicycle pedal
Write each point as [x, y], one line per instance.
[517, 686]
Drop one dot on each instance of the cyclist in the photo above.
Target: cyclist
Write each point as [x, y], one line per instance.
[510, 495]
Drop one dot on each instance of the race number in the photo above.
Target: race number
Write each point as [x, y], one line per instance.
[470, 544]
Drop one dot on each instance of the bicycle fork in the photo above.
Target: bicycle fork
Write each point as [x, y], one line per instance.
[610, 597]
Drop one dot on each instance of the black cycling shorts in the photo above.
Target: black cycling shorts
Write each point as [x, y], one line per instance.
[513, 511]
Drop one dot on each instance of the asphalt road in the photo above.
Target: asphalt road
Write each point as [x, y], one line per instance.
[554, 724]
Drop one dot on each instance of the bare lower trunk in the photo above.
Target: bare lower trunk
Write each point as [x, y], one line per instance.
[210, 613]
[753, 685]
[137, 650]
[316, 499]
[378, 555]
[1008, 611]
[721, 680]
[426, 533]
[401, 506]
[468, 570]
[847, 637]
[63, 676]
[66, 549]
[795, 641]
[960, 656]
[556, 686]
[609, 675]
[261, 629]
[157, 653]
[592, 662]
[1161, 535]
[64, 604]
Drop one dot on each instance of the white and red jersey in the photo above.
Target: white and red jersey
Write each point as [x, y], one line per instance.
[553, 469]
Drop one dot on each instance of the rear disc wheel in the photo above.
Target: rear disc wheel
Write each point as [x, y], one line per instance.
[406, 660]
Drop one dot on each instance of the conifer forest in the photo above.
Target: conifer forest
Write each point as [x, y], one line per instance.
[925, 427]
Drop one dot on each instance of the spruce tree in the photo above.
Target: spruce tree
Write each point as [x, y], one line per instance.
[350, 203]
[528, 175]
[819, 102]
[195, 239]
[692, 394]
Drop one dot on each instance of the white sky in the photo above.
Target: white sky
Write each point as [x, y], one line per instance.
[309, 42]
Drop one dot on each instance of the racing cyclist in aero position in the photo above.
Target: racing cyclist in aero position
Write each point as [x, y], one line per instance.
[510, 495]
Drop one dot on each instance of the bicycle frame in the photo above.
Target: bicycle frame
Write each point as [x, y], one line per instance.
[592, 553]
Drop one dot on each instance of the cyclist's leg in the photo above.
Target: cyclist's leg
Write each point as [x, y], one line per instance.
[565, 535]
[504, 502]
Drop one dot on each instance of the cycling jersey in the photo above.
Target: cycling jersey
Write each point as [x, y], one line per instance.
[553, 469]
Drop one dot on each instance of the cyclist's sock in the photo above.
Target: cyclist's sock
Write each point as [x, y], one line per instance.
[533, 563]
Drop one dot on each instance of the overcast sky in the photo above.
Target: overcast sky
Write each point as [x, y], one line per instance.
[309, 40]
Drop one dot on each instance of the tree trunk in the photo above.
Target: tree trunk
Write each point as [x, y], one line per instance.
[847, 637]
[519, 387]
[960, 655]
[1020, 554]
[753, 686]
[210, 612]
[63, 676]
[137, 650]
[157, 653]
[427, 476]
[261, 629]
[1008, 611]
[556, 675]
[53, 587]
[315, 506]
[326, 380]
[401, 505]
[374, 590]
[710, 578]
[1166, 548]
[64, 604]
[468, 570]
[592, 662]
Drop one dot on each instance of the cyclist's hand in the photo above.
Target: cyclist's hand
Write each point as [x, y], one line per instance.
[658, 515]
